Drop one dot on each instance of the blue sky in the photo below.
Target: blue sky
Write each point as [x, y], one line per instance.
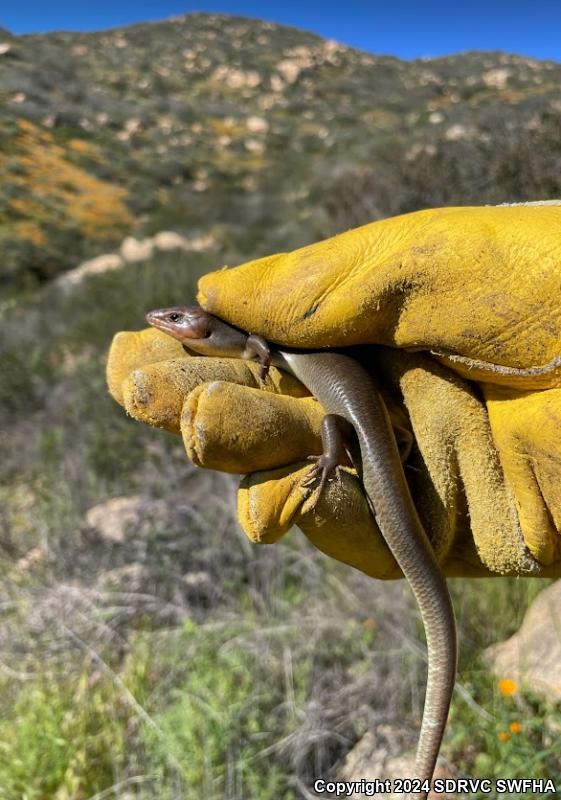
[406, 28]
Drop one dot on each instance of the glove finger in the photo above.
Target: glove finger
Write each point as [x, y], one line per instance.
[240, 429]
[131, 350]
[526, 431]
[454, 471]
[340, 525]
[153, 390]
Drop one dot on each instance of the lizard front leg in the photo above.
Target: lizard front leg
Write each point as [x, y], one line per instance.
[257, 347]
[336, 434]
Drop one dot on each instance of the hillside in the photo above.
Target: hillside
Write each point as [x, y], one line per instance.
[265, 136]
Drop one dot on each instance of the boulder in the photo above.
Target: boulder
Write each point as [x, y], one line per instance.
[170, 240]
[132, 578]
[115, 518]
[383, 754]
[94, 266]
[532, 656]
[137, 249]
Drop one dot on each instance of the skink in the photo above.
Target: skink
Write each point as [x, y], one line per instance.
[346, 389]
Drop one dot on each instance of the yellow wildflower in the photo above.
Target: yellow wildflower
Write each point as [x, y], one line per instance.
[507, 687]
[503, 736]
[515, 727]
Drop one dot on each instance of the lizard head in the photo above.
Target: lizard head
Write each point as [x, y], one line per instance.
[198, 330]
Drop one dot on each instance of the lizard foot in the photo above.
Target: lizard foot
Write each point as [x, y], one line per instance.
[334, 432]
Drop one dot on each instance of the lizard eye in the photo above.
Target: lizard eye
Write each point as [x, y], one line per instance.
[175, 317]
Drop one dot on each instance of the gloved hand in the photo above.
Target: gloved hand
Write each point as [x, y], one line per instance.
[478, 290]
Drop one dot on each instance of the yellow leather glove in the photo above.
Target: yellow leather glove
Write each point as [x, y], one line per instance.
[478, 290]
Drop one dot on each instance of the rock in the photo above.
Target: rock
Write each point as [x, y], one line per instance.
[456, 132]
[257, 125]
[368, 757]
[254, 146]
[94, 266]
[50, 120]
[133, 250]
[532, 655]
[131, 128]
[130, 578]
[200, 588]
[237, 78]
[113, 519]
[289, 70]
[496, 78]
[379, 755]
[33, 557]
[404, 767]
[170, 240]
[5, 47]
[277, 83]
[200, 243]
[197, 580]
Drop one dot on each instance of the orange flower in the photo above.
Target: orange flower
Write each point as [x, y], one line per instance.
[515, 727]
[503, 736]
[507, 687]
[369, 623]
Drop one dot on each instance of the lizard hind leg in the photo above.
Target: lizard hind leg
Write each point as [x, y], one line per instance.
[335, 435]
